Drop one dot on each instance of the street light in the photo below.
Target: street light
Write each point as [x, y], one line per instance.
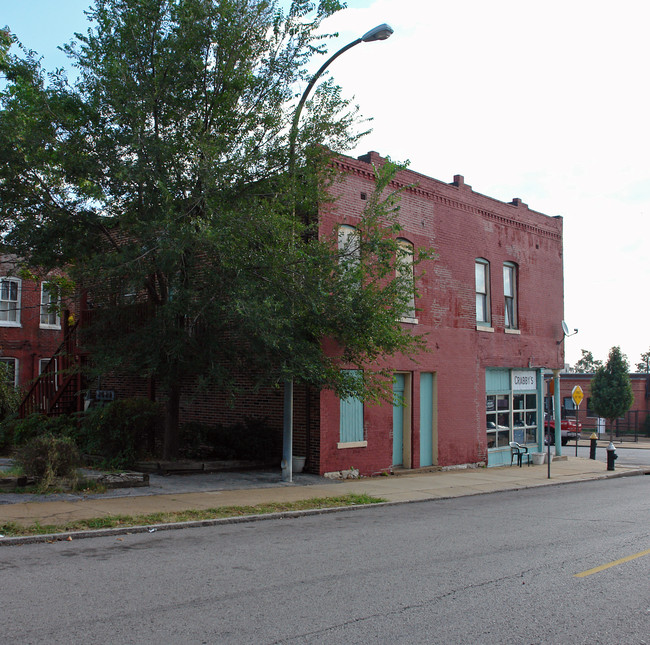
[380, 32]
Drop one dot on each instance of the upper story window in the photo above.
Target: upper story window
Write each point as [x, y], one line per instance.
[50, 306]
[10, 302]
[404, 271]
[348, 243]
[482, 278]
[510, 295]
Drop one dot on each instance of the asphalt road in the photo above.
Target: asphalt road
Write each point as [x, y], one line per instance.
[496, 568]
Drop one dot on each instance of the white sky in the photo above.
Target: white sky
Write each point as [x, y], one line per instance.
[547, 101]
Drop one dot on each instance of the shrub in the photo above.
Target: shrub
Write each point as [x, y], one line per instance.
[121, 432]
[9, 395]
[15, 432]
[48, 457]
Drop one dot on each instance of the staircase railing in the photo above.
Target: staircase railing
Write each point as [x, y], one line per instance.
[58, 388]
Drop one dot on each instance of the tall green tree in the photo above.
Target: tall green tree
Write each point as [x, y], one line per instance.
[644, 364]
[587, 363]
[611, 389]
[159, 179]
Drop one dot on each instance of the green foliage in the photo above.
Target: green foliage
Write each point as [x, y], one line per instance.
[48, 457]
[643, 366]
[15, 432]
[9, 395]
[160, 180]
[120, 432]
[587, 363]
[611, 389]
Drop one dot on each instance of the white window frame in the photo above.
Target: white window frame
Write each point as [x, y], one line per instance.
[404, 269]
[13, 361]
[9, 307]
[482, 291]
[510, 314]
[348, 246]
[48, 319]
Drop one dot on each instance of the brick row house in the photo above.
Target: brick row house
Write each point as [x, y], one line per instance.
[490, 308]
[31, 330]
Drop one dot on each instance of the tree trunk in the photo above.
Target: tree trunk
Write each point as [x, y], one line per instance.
[172, 416]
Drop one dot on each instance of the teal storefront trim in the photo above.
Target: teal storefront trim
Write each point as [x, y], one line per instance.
[514, 411]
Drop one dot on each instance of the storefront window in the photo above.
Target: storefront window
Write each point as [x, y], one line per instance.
[524, 418]
[498, 420]
[511, 417]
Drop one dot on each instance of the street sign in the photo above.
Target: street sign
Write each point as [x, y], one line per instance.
[577, 395]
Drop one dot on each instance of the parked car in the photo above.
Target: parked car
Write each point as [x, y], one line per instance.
[569, 428]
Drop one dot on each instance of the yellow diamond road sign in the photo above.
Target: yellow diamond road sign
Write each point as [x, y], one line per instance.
[577, 395]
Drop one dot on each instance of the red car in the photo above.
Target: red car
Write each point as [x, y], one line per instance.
[569, 428]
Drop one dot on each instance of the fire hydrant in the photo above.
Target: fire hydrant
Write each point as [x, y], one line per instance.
[611, 456]
[592, 448]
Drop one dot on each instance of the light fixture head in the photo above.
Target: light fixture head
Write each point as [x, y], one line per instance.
[380, 32]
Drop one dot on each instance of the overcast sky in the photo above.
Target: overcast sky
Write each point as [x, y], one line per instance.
[547, 101]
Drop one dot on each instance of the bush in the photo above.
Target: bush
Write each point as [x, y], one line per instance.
[48, 457]
[9, 395]
[15, 432]
[121, 432]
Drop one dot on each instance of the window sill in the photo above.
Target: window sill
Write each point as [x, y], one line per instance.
[409, 321]
[6, 323]
[50, 327]
[352, 444]
[512, 331]
[484, 328]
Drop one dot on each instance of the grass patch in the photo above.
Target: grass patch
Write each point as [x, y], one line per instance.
[11, 529]
[11, 471]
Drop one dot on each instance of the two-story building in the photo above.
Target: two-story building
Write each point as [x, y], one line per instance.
[490, 308]
[30, 325]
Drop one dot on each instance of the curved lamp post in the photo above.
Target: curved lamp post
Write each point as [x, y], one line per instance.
[380, 32]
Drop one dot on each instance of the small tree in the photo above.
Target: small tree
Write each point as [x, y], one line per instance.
[587, 363]
[611, 389]
[644, 364]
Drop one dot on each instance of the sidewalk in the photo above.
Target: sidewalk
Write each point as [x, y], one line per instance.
[403, 488]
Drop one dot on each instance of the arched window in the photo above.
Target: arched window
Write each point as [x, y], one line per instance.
[405, 273]
[348, 243]
[510, 295]
[482, 279]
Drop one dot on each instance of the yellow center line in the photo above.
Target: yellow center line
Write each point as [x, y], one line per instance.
[602, 567]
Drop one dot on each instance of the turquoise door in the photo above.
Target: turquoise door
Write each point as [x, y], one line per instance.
[398, 419]
[426, 419]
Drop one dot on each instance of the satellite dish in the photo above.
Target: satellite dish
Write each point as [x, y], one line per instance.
[565, 328]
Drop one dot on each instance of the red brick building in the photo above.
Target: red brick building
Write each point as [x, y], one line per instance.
[30, 331]
[634, 421]
[491, 308]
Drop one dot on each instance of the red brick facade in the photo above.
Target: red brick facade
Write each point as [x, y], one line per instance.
[24, 339]
[461, 225]
[467, 368]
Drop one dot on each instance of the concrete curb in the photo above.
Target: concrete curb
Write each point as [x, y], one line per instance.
[173, 526]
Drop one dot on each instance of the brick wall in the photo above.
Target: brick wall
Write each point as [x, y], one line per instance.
[27, 342]
[461, 225]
